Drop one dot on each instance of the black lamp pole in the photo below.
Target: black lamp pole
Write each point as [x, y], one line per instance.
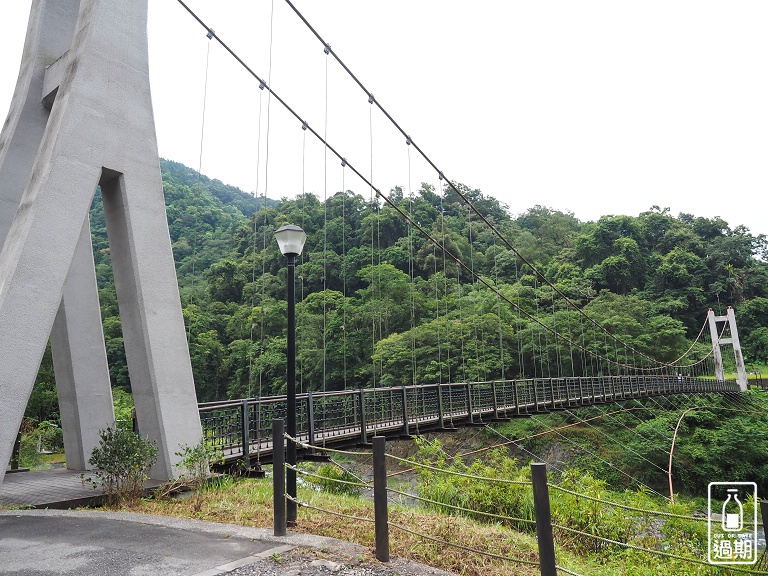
[291, 240]
[291, 408]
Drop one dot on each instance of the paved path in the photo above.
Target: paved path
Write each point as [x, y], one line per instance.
[53, 543]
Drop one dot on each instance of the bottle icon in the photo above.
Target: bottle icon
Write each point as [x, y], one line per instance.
[733, 512]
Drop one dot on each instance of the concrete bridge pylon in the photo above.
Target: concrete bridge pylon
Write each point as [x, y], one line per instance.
[81, 117]
[732, 339]
[77, 342]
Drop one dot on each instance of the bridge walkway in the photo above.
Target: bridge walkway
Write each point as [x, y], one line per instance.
[353, 417]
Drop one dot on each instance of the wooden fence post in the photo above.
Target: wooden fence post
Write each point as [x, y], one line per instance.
[543, 520]
[380, 499]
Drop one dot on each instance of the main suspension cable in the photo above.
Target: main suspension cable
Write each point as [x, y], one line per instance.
[264, 86]
[486, 221]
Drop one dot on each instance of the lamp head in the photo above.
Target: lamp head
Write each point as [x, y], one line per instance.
[290, 239]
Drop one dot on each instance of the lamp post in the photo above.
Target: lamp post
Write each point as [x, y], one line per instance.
[291, 240]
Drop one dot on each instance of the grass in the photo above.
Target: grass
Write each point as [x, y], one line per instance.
[50, 459]
[248, 502]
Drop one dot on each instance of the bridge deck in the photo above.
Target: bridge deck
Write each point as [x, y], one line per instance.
[336, 419]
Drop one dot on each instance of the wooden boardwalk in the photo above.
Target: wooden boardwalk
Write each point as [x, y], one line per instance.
[58, 488]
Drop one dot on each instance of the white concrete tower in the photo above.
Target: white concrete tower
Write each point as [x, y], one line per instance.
[733, 339]
[100, 131]
[77, 342]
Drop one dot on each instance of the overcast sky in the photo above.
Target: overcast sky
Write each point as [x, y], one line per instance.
[597, 107]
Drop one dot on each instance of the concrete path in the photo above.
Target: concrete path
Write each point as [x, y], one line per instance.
[60, 542]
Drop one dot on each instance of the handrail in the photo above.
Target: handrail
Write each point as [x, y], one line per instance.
[349, 416]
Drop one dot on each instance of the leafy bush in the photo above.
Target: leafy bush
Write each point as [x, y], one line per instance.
[332, 478]
[456, 486]
[583, 516]
[37, 439]
[123, 402]
[29, 457]
[195, 468]
[121, 462]
[50, 436]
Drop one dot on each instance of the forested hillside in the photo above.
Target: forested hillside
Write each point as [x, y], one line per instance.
[386, 305]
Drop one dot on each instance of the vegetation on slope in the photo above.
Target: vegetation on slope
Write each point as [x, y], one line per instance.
[379, 302]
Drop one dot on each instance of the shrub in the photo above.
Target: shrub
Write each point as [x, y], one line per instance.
[50, 436]
[29, 457]
[37, 439]
[195, 468]
[455, 485]
[121, 462]
[332, 478]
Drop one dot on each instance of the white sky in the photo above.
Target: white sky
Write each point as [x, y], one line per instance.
[593, 107]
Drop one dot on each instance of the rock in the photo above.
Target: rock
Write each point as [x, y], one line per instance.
[332, 566]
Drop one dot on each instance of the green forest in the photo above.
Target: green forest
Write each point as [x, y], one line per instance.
[379, 303]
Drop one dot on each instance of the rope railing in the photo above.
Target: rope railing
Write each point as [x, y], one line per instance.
[462, 509]
[327, 511]
[626, 506]
[325, 478]
[566, 571]
[465, 548]
[660, 553]
[383, 523]
[415, 464]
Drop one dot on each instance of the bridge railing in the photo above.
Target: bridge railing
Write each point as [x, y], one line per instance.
[242, 427]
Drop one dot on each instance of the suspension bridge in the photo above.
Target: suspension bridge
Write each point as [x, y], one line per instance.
[561, 357]
[617, 372]
[242, 430]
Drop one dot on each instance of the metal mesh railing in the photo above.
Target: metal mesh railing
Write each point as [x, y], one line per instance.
[351, 415]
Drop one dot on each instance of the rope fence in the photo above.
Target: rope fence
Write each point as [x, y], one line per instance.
[325, 478]
[327, 511]
[544, 526]
[414, 464]
[566, 571]
[462, 509]
[652, 551]
[465, 548]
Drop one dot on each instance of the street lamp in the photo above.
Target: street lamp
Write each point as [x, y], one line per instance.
[291, 240]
